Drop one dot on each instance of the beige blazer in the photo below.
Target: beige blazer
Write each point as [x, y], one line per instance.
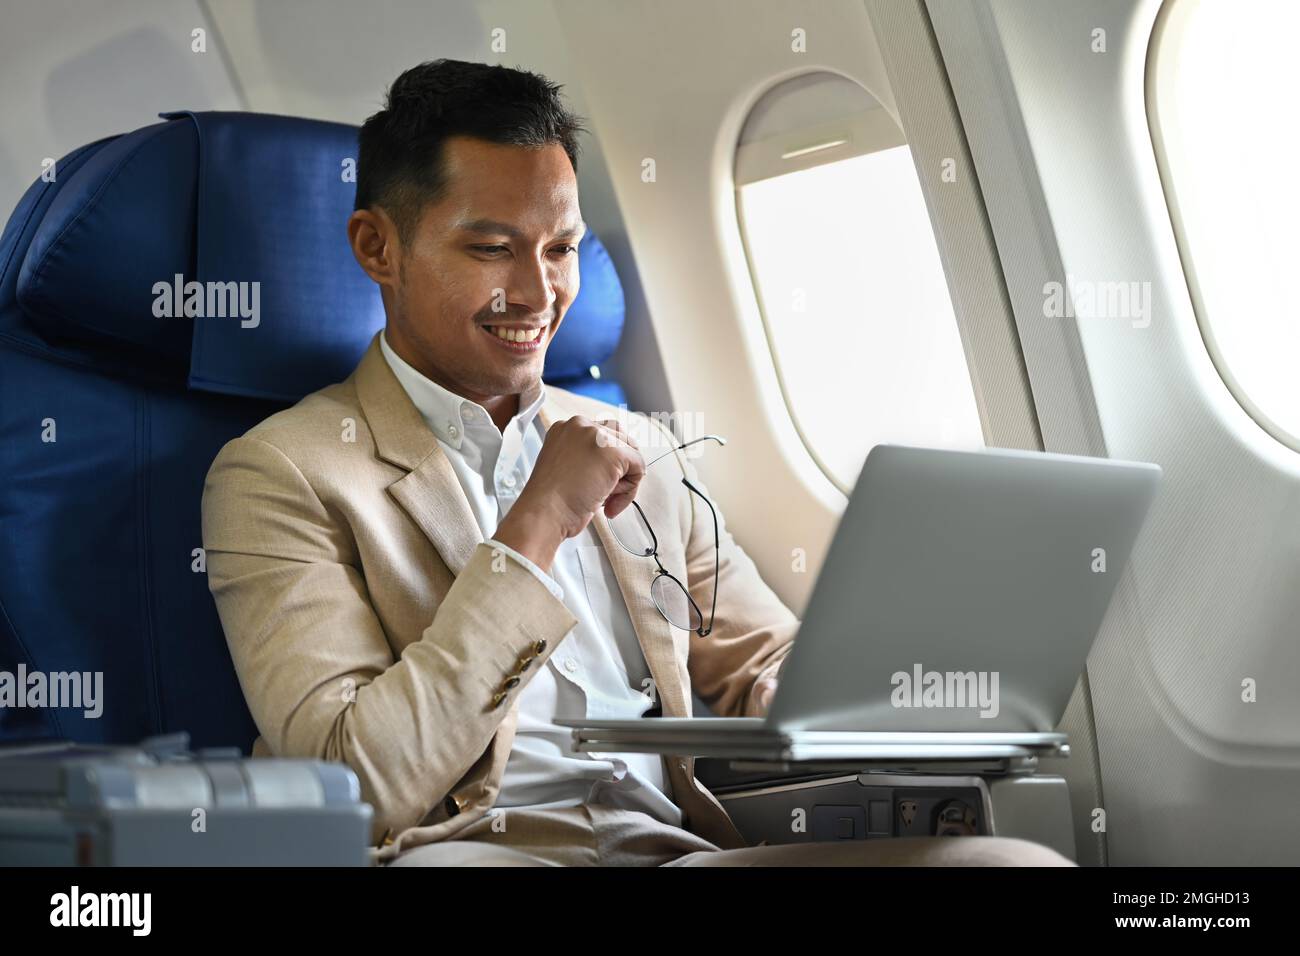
[369, 623]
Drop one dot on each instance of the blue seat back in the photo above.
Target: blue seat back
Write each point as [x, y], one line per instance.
[117, 389]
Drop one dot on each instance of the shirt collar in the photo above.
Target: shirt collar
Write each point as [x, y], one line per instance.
[447, 414]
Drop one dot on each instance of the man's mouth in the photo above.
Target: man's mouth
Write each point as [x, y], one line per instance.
[516, 338]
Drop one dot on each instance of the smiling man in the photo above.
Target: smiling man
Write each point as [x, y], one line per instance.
[415, 569]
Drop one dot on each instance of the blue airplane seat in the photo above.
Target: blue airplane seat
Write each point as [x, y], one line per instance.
[118, 386]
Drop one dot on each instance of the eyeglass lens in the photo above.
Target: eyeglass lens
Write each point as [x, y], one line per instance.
[674, 604]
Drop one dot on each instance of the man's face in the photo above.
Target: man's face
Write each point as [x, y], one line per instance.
[497, 253]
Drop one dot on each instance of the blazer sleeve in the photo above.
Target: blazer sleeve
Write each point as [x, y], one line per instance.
[313, 660]
[753, 630]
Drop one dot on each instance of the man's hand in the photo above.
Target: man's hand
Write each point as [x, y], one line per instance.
[583, 465]
[765, 687]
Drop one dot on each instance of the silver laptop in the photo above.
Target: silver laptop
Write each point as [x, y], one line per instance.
[955, 610]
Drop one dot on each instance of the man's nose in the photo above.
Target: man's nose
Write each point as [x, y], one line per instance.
[532, 287]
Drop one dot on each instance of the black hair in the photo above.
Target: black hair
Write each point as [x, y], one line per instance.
[400, 160]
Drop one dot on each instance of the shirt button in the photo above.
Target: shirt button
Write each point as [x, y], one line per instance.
[453, 431]
[509, 481]
[570, 664]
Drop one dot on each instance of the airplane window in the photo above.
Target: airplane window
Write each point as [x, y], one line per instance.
[1224, 124]
[851, 288]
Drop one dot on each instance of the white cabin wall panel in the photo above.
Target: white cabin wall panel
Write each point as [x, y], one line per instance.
[1191, 773]
[333, 60]
[73, 72]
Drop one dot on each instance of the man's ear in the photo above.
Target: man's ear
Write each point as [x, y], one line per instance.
[375, 246]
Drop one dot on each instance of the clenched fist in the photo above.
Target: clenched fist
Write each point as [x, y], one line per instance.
[583, 465]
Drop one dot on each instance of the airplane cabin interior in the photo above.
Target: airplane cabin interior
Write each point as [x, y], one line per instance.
[795, 432]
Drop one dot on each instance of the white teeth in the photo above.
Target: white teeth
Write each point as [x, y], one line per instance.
[516, 335]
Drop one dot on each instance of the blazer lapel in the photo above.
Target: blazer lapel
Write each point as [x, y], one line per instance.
[634, 575]
[432, 496]
[429, 493]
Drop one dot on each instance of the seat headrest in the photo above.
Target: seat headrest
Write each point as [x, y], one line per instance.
[593, 325]
[274, 196]
[215, 244]
[123, 220]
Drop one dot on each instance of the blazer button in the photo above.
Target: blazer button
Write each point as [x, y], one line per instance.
[497, 700]
[539, 646]
[511, 682]
[452, 805]
[525, 663]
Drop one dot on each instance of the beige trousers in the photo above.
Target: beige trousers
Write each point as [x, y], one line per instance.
[590, 835]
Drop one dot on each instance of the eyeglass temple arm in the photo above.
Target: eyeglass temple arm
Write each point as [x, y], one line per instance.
[717, 544]
[654, 541]
[717, 438]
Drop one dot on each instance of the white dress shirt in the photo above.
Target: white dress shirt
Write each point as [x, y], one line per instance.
[599, 670]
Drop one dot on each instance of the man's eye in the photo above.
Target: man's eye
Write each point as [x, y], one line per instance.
[569, 250]
[489, 249]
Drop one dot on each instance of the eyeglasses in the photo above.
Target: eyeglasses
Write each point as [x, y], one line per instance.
[632, 531]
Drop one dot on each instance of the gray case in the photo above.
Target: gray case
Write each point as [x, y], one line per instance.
[158, 804]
